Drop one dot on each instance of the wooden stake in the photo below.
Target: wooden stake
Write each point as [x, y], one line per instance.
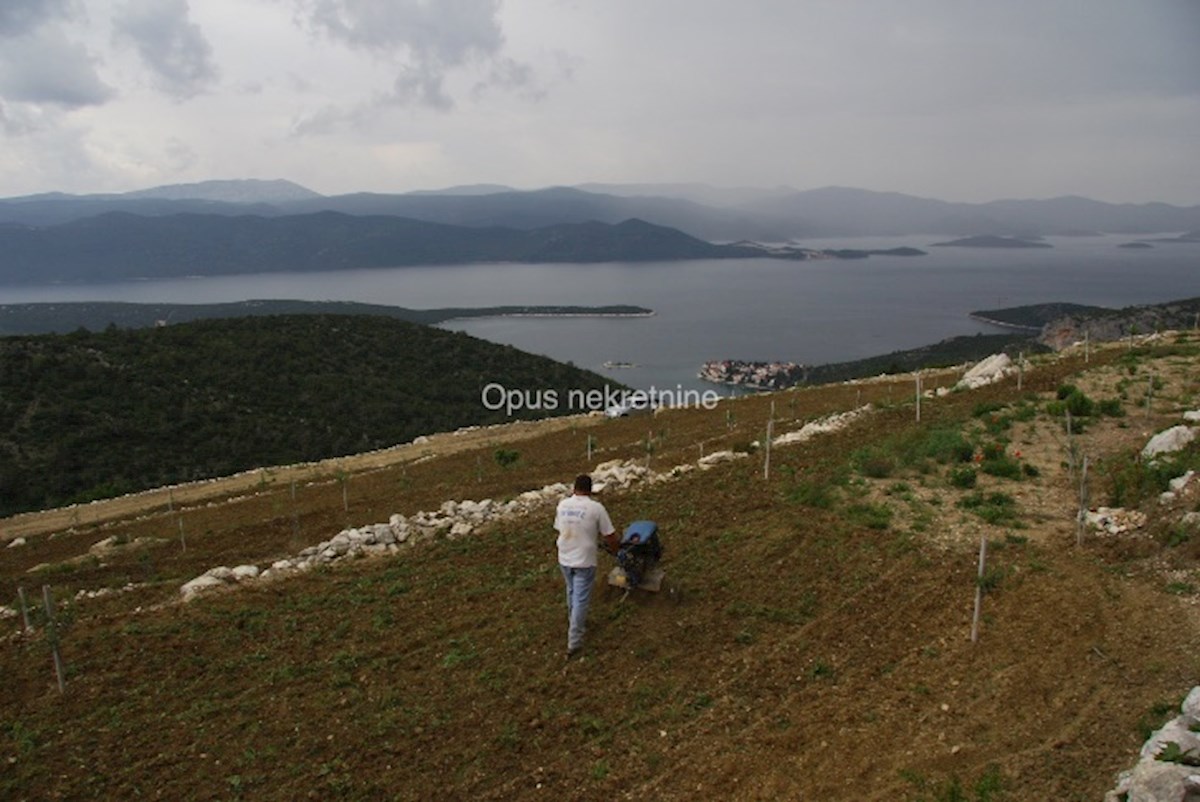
[1081, 518]
[1020, 370]
[1087, 347]
[979, 589]
[345, 497]
[182, 539]
[767, 458]
[918, 396]
[1149, 393]
[24, 608]
[52, 635]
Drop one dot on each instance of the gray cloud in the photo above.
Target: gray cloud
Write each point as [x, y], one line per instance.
[169, 44]
[44, 67]
[22, 16]
[427, 40]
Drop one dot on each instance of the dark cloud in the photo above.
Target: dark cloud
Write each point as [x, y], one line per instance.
[169, 44]
[44, 67]
[427, 39]
[22, 16]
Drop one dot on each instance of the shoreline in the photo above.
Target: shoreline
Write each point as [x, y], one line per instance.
[1004, 325]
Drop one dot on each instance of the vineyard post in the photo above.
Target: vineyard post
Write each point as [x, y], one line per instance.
[918, 396]
[24, 608]
[979, 588]
[1081, 518]
[52, 635]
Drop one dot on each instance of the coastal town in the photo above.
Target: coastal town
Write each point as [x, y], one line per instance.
[753, 375]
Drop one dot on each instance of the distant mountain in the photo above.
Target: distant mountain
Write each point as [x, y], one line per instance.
[711, 213]
[246, 190]
[706, 194]
[990, 241]
[546, 207]
[123, 246]
[841, 211]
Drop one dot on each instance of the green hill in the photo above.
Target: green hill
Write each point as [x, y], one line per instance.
[89, 415]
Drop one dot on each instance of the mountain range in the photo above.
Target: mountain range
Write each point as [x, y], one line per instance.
[711, 213]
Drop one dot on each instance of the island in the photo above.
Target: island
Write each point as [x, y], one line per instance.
[1135, 245]
[752, 375]
[992, 241]
[61, 318]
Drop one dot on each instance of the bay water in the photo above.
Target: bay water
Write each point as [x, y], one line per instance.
[754, 309]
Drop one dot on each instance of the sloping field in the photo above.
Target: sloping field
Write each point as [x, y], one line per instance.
[819, 648]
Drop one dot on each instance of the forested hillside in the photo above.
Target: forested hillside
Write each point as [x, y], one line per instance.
[88, 415]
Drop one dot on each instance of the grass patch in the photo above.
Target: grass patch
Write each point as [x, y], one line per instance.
[872, 516]
[999, 509]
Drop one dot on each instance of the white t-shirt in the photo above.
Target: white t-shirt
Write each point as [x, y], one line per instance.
[580, 520]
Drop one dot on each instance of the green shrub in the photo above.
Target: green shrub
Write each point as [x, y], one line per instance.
[1065, 390]
[1111, 407]
[1003, 466]
[962, 476]
[874, 462]
[812, 494]
[995, 508]
[872, 516]
[1079, 405]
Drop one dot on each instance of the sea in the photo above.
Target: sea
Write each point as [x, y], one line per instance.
[809, 312]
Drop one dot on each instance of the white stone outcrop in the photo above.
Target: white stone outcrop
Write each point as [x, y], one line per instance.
[15, 542]
[1192, 415]
[1169, 441]
[987, 371]
[1115, 520]
[826, 425]
[1157, 779]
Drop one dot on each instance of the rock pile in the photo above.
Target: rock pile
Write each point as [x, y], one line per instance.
[454, 519]
[1168, 769]
[1115, 520]
[830, 423]
[988, 371]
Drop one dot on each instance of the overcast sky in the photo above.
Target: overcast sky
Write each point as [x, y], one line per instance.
[952, 99]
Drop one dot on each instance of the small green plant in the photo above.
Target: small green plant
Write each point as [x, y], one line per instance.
[1111, 407]
[506, 457]
[1173, 753]
[872, 516]
[995, 508]
[812, 494]
[962, 476]
[874, 462]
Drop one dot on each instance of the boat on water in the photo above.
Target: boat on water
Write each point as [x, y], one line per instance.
[615, 364]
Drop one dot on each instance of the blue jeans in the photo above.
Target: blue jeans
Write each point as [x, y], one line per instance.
[579, 593]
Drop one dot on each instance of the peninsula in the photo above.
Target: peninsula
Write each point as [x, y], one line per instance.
[992, 241]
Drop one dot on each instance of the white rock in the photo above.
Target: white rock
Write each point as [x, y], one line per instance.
[1180, 482]
[7, 612]
[1169, 440]
[461, 529]
[1191, 705]
[1192, 415]
[987, 371]
[220, 573]
[281, 565]
[199, 585]
[241, 572]
[17, 541]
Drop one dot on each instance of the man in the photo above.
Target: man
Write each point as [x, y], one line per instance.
[580, 521]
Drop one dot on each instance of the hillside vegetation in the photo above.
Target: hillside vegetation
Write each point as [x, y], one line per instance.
[94, 414]
[820, 649]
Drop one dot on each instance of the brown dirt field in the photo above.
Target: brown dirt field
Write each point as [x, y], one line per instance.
[812, 656]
